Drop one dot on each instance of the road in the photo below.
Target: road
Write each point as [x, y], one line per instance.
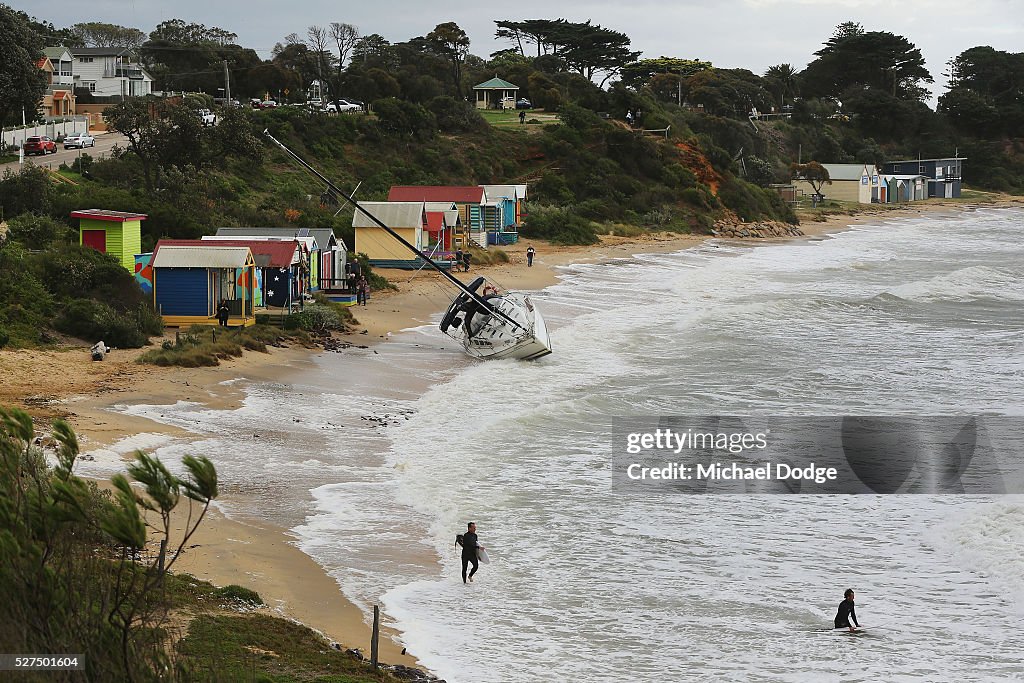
[104, 142]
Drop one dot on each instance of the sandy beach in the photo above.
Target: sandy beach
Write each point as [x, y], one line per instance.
[64, 383]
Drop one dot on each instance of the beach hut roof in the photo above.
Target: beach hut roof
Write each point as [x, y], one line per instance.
[503, 191]
[462, 194]
[440, 206]
[325, 238]
[394, 214]
[266, 253]
[104, 215]
[844, 171]
[171, 256]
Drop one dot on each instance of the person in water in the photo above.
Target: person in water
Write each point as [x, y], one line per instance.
[470, 546]
[846, 613]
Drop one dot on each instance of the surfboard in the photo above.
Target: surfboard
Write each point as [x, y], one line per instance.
[481, 555]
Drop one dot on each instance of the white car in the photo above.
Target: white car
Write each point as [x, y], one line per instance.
[79, 140]
[342, 105]
[207, 117]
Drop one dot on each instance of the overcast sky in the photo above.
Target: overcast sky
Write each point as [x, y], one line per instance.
[752, 34]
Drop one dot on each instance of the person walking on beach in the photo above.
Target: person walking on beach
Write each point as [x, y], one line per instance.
[458, 259]
[223, 313]
[522, 117]
[629, 117]
[361, 287]
[530, 251]
[846, 613]
[466, 256]
[470, 547]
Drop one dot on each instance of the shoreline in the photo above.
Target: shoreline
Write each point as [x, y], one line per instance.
[253, 553]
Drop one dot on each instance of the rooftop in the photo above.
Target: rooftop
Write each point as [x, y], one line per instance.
[104, 215]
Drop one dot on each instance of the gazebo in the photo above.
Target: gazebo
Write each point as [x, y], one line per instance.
[496, 94]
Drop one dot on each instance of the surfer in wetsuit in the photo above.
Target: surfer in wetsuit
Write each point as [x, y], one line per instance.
[846, 613]
[470, 545]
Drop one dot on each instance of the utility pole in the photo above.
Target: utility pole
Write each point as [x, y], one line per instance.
[227, 84]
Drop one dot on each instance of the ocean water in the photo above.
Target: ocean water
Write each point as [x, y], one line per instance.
[377, 460]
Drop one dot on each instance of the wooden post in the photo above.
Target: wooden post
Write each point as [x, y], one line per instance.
[375, 636]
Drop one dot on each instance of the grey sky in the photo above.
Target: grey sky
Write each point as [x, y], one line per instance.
[752, 34]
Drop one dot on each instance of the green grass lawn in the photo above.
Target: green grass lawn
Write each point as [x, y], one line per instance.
[510, 117]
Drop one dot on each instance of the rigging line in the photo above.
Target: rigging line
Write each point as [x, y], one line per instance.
[451, 278]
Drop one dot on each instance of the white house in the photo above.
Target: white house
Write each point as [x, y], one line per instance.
[110, 72]
[63, 65]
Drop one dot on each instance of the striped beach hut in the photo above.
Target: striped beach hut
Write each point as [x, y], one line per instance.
[189, 282]
[111, 232]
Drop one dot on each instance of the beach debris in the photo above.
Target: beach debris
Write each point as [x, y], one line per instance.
[408, 673]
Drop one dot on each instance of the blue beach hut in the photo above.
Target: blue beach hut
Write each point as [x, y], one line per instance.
[189, 282]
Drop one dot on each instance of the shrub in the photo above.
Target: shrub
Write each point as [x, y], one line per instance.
[238, 594]
[93, 320]
[399, 118]
[36, 231]
[455, 116]
[4, 337]
[561, 226]
[315, 318]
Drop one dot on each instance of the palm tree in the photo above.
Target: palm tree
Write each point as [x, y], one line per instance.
[785, 76]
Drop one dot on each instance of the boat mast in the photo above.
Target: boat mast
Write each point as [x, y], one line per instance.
[338, 191]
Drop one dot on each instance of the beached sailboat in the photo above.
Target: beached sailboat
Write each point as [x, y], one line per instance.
[489, 325]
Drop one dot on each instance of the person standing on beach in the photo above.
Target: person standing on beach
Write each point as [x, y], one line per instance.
[223, 313]
[846, 612]
[470, 547]
[458, 259]
[361, 288]
[466, 256]
[530, 251]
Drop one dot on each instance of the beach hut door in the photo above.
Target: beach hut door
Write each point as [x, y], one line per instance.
[97, 239]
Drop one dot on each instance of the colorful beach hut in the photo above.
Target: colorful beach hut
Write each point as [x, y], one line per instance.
[327, 258]
[111, 232]
[470, 201]
[189, 282]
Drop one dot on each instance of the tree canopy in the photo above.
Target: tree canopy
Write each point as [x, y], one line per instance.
[22, 83]
[854, 58]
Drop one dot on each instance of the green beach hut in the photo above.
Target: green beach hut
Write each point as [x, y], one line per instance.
[111, 232]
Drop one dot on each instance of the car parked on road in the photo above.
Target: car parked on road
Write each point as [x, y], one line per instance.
[79, 140]
[523, 103]
[342, 105]
[39, 144]
[266, 104]
[207, 117]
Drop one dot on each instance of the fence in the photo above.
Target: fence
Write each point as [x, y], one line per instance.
[53, 128]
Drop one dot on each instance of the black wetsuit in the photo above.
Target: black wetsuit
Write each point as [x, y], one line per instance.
[845, 614]
[469, 546]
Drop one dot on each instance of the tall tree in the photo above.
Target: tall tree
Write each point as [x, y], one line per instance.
[873, 59]
[783, 79]
[22, 82]
[99, 34]
[639, 73]
[452, 43]
[344, 37]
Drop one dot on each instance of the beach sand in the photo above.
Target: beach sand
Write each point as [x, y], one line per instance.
[253, 554]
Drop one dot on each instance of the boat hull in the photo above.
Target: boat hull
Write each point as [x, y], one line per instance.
[497, 339]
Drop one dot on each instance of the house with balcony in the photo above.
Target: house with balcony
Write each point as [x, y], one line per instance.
[59, 98]
[110, 72]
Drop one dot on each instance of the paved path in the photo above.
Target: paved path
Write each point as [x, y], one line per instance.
[104, 141]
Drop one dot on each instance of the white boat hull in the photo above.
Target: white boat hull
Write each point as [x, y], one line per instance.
[493, 337]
